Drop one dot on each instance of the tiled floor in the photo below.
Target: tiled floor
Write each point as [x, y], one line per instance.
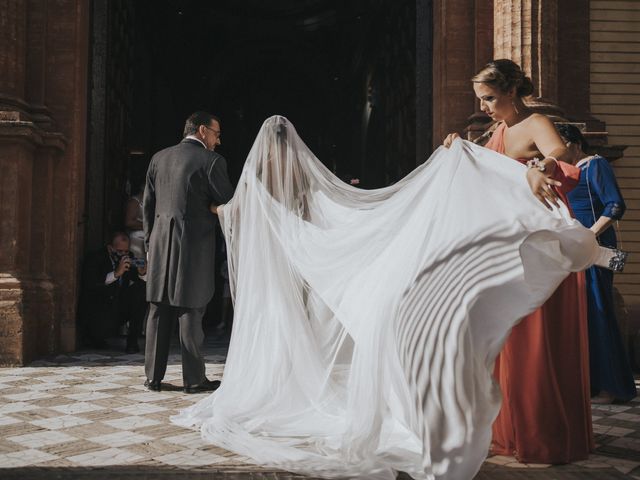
[88, 415]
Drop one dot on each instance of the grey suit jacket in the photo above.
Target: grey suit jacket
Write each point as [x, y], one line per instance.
[182, 181]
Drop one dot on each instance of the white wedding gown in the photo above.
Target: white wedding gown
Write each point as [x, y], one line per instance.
[367, 322]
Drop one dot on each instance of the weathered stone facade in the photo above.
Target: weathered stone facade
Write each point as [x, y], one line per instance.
[43, 59]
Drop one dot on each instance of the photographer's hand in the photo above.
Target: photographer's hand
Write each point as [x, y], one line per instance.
[123, 267]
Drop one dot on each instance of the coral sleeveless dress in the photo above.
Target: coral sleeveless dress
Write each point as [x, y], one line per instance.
[543, 369]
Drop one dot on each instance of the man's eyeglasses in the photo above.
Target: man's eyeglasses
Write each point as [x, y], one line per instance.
[217, 132]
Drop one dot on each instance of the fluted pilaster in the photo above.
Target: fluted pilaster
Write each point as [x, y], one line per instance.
[526, 31]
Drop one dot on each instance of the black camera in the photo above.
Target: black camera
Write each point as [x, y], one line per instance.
[137, 262]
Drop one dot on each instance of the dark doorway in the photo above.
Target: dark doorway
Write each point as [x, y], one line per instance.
[344, 72]
[354, 77]
[328, 65]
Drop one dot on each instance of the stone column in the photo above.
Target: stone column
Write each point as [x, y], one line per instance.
[16, 163]
[66, 97]
[483, 25]
[13, 35]
[462, 41]
[526, 31]
[35, 228]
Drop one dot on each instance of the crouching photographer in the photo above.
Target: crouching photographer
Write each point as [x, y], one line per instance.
[113, 293]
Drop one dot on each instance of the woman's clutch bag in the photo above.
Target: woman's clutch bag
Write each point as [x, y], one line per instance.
[618, 259]
[611, 258]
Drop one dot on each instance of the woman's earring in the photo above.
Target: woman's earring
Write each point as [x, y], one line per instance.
[514, 107]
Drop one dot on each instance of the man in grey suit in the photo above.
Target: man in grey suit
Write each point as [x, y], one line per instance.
[183, 182]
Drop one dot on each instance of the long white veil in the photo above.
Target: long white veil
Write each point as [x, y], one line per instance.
[367, 322]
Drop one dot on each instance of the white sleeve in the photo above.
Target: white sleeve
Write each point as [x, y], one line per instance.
[110, 278]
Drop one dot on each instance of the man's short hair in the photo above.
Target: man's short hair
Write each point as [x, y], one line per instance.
[118, 233]
[195, 120]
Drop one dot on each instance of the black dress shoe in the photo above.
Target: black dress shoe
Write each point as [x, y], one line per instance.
[206, 386]
[153, 386]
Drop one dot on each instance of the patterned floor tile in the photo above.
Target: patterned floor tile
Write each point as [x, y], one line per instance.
[78, 407]
[90, 410]
[148, 397]
[131, 423]
[61, 377]
[98, 386]
[613, 431]
[30, 395]
[500, 459]
[16, 407]
[89, 396]
[629, 443]
[7, 420]
[111, 456]
[24, 458]
[611, 408]
[46, 386]
[40, 439]
[120, 439]
[64, 421]
[141, 409]
[593, 462]
[189, 440]
[620, 464]
[194, 458]
[630, 417]
[75, 447]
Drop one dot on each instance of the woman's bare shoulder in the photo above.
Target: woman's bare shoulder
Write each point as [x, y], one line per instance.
[538, 120]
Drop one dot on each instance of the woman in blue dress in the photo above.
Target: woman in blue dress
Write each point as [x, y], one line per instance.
[597, 203]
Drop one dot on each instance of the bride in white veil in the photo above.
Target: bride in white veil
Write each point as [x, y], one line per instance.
[367, 322]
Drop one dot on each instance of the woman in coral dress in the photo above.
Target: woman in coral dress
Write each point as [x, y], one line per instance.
[543, 369]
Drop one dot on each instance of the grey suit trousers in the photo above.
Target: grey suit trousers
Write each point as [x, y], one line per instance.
[160, 323]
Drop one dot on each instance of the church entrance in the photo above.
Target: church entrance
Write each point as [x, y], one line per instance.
[344, 73]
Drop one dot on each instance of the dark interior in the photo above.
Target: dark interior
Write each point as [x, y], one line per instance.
[344, 73]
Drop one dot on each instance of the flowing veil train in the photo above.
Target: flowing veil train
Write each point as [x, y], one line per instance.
[367, 322]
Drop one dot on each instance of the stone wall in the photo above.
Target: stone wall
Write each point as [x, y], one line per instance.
[615, 98]
[43, 57]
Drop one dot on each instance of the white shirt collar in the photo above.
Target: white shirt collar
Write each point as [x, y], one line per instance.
[193, 137]
[584, 161]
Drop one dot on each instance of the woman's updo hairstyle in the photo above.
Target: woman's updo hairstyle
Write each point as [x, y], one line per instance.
[504, 75]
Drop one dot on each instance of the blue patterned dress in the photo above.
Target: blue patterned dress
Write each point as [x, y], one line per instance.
[609, 363]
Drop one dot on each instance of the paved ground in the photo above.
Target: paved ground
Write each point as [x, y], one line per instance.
[87, 415]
